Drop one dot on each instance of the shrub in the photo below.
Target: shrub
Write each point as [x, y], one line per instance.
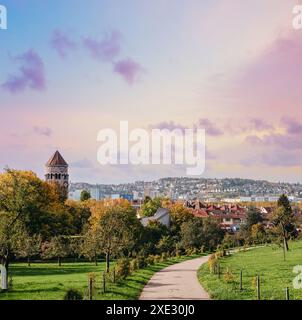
[73, 294]
[150, 260]
[228, 276]
[134, 264]
[122, 269]
[213, 263]
[164, 257]
[142, 263]
[157, 259]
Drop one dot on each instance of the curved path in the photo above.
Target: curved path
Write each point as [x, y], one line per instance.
[176, 282]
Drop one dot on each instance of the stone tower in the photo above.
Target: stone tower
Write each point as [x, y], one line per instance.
[57, 171]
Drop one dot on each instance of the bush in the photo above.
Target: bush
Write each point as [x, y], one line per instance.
[164, 257]
[228, 276]
[157, 259]
[213, 263]
[150, 260]
[134, 264]
[142, 263]
[122, 268]
[73, 294]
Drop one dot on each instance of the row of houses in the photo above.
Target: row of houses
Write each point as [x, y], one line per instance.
[230, 216]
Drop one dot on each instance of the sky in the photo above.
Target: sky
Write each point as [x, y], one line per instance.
[233, 68]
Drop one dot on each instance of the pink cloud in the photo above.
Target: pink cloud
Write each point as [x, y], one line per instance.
[62, 43]
[106, 49]
[273, 80]
[128, 69]
[31, 73]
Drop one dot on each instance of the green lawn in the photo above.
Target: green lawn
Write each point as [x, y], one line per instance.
[275, 274]
[48, 281]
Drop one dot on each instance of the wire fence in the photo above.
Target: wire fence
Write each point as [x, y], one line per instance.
[244, 284]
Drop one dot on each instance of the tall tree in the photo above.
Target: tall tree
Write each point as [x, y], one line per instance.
[283, 219]
[23, 196]
[116, 233]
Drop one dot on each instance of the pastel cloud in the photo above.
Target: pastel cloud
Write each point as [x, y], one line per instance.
[129, 70]
[43, 131]
[62, 43]
[31, 73]
[290, 140]
[273, 80]
[210, 127]
[106, 49]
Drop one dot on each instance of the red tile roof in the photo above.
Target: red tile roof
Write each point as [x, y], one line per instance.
[56, 160]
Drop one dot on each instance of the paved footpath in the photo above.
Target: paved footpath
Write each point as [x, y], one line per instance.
[176, 282]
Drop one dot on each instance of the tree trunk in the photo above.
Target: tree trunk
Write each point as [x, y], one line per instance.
[59, 262]
[4, 275]
[107, 262]
[96, 260]
[28, 261]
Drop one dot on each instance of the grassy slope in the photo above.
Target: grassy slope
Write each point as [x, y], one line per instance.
[275, 274]
[48, 281]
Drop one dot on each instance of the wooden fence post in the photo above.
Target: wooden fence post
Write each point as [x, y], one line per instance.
[258, 287]
[114, 275]
[218, 267]
[104, 282]
[90, 287]
[287, 293]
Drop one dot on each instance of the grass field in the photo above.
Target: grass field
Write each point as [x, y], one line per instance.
[48, 281]
[275, 274]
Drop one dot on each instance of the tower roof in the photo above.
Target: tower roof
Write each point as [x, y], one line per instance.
[56, 160]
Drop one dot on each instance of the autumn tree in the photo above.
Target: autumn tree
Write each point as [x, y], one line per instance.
[90, 246]
[23, 198]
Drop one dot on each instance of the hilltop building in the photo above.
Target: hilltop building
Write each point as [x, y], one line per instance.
[57, 172]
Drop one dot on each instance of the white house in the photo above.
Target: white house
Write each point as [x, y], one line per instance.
[162, 215]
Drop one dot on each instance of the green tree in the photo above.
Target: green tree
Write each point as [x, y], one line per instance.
[28, 246]
[150, 206]
[253, 216]
[11, 231]
[191, 233]
[116, 230]
[283, 220]
[23, 197]
[90, 246]
[57, 247]
[85, 195]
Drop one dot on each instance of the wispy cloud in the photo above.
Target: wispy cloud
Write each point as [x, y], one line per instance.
[62, 43]
[210, 127]
[31, 73]
[42, 131]
[129, 70]
[106, 49]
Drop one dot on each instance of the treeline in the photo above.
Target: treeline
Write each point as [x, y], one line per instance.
[37, 222]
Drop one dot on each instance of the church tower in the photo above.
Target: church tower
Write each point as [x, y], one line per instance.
[57, 171]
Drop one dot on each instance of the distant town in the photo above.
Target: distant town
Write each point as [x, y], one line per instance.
[184, 188]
